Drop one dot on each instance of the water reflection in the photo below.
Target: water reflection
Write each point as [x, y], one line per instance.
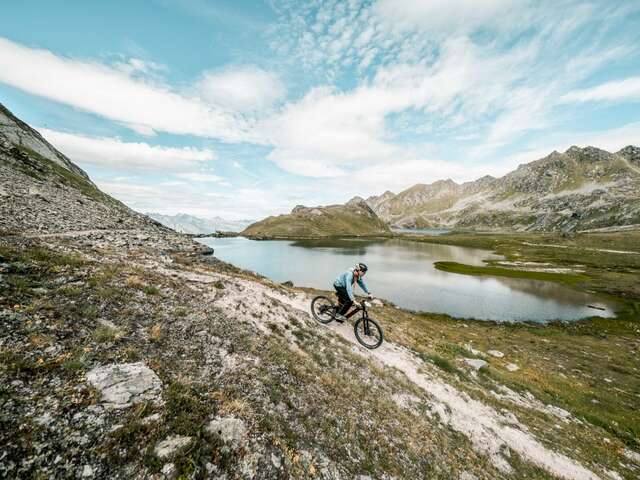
[403, 272]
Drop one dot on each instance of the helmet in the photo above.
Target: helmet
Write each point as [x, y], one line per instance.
[362, 267]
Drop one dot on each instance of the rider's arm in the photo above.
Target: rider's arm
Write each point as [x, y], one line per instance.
[363, 286]
[350, 286]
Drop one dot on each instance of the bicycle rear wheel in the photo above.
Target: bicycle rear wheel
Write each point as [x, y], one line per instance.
[323, 309]
[368, 333]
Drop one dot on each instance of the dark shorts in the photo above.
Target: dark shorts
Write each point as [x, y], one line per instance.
[343, 299]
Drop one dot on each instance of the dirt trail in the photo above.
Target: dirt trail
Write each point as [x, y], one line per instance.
[76, 233]
[491, 433]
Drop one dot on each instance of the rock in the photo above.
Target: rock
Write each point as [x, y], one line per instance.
[467, 476]
[87, 471]
[512, 367]
[288, 283]
[123, 385]
[167, 447]
[169, 471]
[631, 455]
[475, 363]
[472, 350]
[230, 429]
[151, 419]
[495, 353]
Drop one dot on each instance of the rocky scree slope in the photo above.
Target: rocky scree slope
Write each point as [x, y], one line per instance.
[44, 192]
[582, 188]
[355, 217]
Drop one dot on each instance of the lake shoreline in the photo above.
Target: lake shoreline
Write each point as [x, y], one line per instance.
[406, 274]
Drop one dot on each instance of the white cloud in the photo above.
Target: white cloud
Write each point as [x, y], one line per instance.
[618, 90]
[442, 14]
[173, 197]
[200, 177]
[114, 153]
[244, 89]
[115, 92]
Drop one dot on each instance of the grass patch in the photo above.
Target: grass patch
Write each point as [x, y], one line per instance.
[151, 290]
[105, 334]
[440, 362]
[186, 409]
[462, 269]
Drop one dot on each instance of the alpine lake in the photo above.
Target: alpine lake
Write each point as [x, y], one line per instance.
[403, 272]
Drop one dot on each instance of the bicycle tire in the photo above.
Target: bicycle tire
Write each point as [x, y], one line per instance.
[318, 304]
[375, 332]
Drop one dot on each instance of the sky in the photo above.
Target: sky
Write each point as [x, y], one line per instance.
[243, 109]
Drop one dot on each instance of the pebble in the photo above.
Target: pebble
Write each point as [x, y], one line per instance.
[495, 353]
[512, 367]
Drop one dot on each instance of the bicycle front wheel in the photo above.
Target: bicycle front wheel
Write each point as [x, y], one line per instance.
[368, 333]
[323, 309]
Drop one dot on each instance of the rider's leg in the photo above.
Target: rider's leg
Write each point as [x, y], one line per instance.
[343, 300]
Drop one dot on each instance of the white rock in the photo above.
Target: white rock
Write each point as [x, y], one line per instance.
[151, 418]
[495, 353]
[124, 384]
[169, 471]
[512, 367]
[170, 445]
[631, 455]
[232, 430]
[468, 476]
[87, 471]
[475, 363]
[472, 350]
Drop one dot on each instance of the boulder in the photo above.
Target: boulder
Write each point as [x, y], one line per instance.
[170, 445]
[230, 429]
[125, 384]
[475, 363]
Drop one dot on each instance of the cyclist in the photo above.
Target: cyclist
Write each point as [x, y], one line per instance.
[344, 288]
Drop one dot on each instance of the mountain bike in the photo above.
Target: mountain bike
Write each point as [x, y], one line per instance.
[367, 331]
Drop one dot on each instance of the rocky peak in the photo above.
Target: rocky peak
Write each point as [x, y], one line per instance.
[14, 133]
[587, 154]
[631, 153]
[298, 209]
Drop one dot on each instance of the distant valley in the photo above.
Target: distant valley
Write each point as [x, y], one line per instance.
[185, 223]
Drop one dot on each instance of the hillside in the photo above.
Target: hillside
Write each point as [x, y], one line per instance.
[44, 192]
[355, 218]
[185, 223]
[582, 188]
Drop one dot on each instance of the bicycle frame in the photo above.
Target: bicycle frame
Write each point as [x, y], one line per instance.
[360, 307]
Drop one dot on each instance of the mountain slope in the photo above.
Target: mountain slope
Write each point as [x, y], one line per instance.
[185, 223]
[581, 188]
[41, 190]
[353, 218]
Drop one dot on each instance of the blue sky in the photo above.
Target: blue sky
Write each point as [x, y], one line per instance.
[244, 109]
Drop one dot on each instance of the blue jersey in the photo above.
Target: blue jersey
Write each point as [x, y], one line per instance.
[346, 280]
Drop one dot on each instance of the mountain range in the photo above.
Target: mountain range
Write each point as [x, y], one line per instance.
[582, 188]
[185, 223]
